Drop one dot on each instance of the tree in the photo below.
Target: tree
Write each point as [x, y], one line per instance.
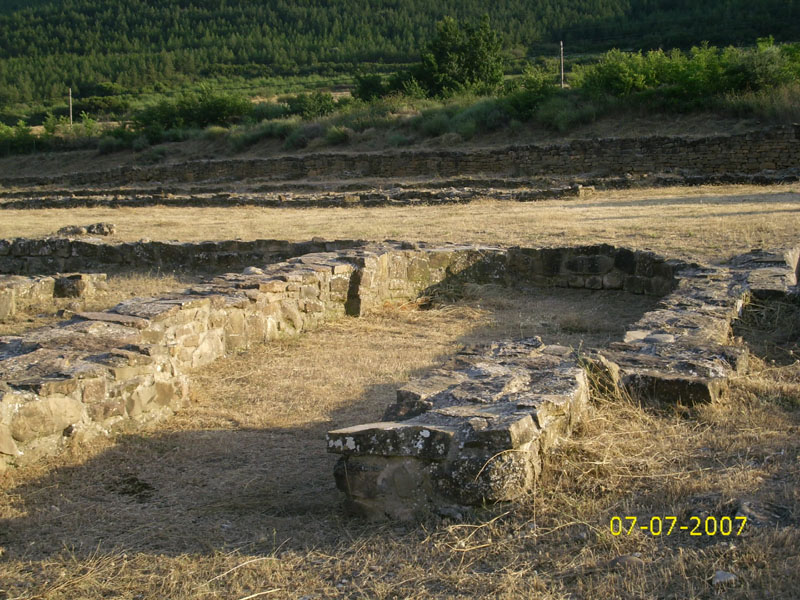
[368, 86]
[468, 59]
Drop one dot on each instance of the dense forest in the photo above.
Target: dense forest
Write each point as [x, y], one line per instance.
[115, 46]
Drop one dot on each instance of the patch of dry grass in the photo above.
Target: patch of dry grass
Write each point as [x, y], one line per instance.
[706, 222]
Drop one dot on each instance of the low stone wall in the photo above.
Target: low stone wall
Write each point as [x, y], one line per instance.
[85, 375]
[774, 148]
[475, 431]
[37, 292]
[479, 429]
[366, 198]
[59, 255]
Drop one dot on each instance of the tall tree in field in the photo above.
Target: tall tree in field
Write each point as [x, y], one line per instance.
[462, 59]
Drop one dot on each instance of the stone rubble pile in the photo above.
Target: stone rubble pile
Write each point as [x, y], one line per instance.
[93, 229]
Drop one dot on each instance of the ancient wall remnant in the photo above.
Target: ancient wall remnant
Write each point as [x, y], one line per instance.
[63, 254]
[129, 362]
[474, 431]
[774, 148]
[479, 429]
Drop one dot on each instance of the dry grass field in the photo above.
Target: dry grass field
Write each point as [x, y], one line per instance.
[710, 221]
[233, 498]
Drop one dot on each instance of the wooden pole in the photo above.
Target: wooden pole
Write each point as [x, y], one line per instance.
[70, 107]
[562, 65]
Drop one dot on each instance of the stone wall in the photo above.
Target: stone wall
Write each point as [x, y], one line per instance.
[475, 431]
[59, 255]
[478, 430]
[769, 149]
[77, 379]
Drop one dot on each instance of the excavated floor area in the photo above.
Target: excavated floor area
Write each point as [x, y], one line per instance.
[245, 463]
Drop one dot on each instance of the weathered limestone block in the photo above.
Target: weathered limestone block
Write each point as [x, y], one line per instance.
[475, 431]
[46, 416]
[79, 285]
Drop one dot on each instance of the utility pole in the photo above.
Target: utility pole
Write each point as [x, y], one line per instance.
[562, 64]
[70, 106]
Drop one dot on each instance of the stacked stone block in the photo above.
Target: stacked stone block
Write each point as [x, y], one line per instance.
[474, 431]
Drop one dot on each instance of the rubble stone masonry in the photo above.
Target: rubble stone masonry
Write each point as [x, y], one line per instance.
[474, 431]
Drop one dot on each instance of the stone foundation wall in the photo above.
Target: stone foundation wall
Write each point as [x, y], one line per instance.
[61, 384]
[770, 149]
[58, 255]
[475, 431]
[478, 430]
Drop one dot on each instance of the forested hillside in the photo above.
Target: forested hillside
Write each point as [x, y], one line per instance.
[134, 44]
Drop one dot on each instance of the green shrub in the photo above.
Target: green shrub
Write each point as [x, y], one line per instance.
[301, 136]
[109, 144]
[565, 111]
[215, 132]
[336, 135]
[535, 86]
[780, 104]
[434, 123]
[396, 139]
[311, 106]
[102, 105]
[687, 81]
[192, 109]
[140, 143]
[243, 138]
[368, 87]
[267, 111]
[50, 124]
[485, 115]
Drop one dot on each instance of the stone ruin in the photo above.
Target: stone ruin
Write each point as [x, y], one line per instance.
[37, 292]
[473, 431]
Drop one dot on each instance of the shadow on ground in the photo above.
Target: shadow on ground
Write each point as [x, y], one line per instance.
[229, 486]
